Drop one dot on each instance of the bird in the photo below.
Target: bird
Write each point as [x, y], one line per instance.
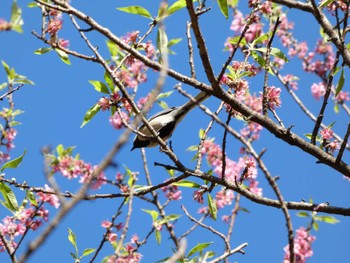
[165, 122]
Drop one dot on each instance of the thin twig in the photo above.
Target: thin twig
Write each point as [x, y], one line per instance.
[343, 145]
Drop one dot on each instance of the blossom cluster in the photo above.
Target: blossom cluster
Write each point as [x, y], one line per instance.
[128, 252]
[243, 169]
[302, 246]
[73, 167]
[7, 132]
[25, 219]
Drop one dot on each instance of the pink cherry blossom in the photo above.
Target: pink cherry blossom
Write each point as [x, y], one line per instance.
[116, 120]
[273, 97]
[104, 103]
[318, 90]
[52, 199]
[54, 26]
[326, 133]
[302, 246]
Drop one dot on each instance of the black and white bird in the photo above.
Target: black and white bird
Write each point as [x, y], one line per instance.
[165, 122]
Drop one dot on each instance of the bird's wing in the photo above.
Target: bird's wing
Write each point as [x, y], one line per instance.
[156, 122]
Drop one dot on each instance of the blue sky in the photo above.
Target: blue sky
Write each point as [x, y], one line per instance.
[54, 110]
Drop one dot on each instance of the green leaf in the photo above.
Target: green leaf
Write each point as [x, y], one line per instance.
[192, 148]
[109, 81]
[88, 251]
[315, 226]
[73, 239]
[99, 86]
[261, 39]
[340, 83]
[63, 56]
[187, 183]
[154, 214]
[6, 67]
[309, 136]
[113, 48]
[198, 248]
[174, 41]
[303, 214]
[32, 4]
[171, 172]
[327, 219]
[176, 6]
[9, 196]
[201, 133]
[3, 85]
[24, 81]
[163, 104]
[42, 50]
[16, 18]
[325, 3]
[60, 150]
[274, 52]
[90, 114]
[162, 40]
[336, 108]
[223, 7]
[235, 40]
[13, 163]
[213, 210]
[31, 197]
[136, 10]
[167, 219]
[158, 236]
[164, 95]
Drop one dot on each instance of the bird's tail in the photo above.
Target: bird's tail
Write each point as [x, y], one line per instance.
[188, 106]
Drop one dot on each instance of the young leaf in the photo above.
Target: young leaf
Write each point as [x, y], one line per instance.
[199, 248]
[213, 210]
[9, 196]
[99, 86]
[162, 40]
[31, 198]
[234, 40]
[303, 214]
[112, 47]
[16, 18]
[42, 50]
[192, 148]
[167, 219]
[201, 133]
[154, 214]
[6, 67]
[90, 114]
[327, 219]
[3, 85]
[73, 239]
[158, 236]
[340, 83]
[13, 163]
[223, 7]
[261, 39]
[88, 251]
[109, 81]
[164, 95]
[163, 104]
[63, 56]
[325, 3]
[176, 6]
[186, 183]
[32, 4]
[136, 10]
[315, 226]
